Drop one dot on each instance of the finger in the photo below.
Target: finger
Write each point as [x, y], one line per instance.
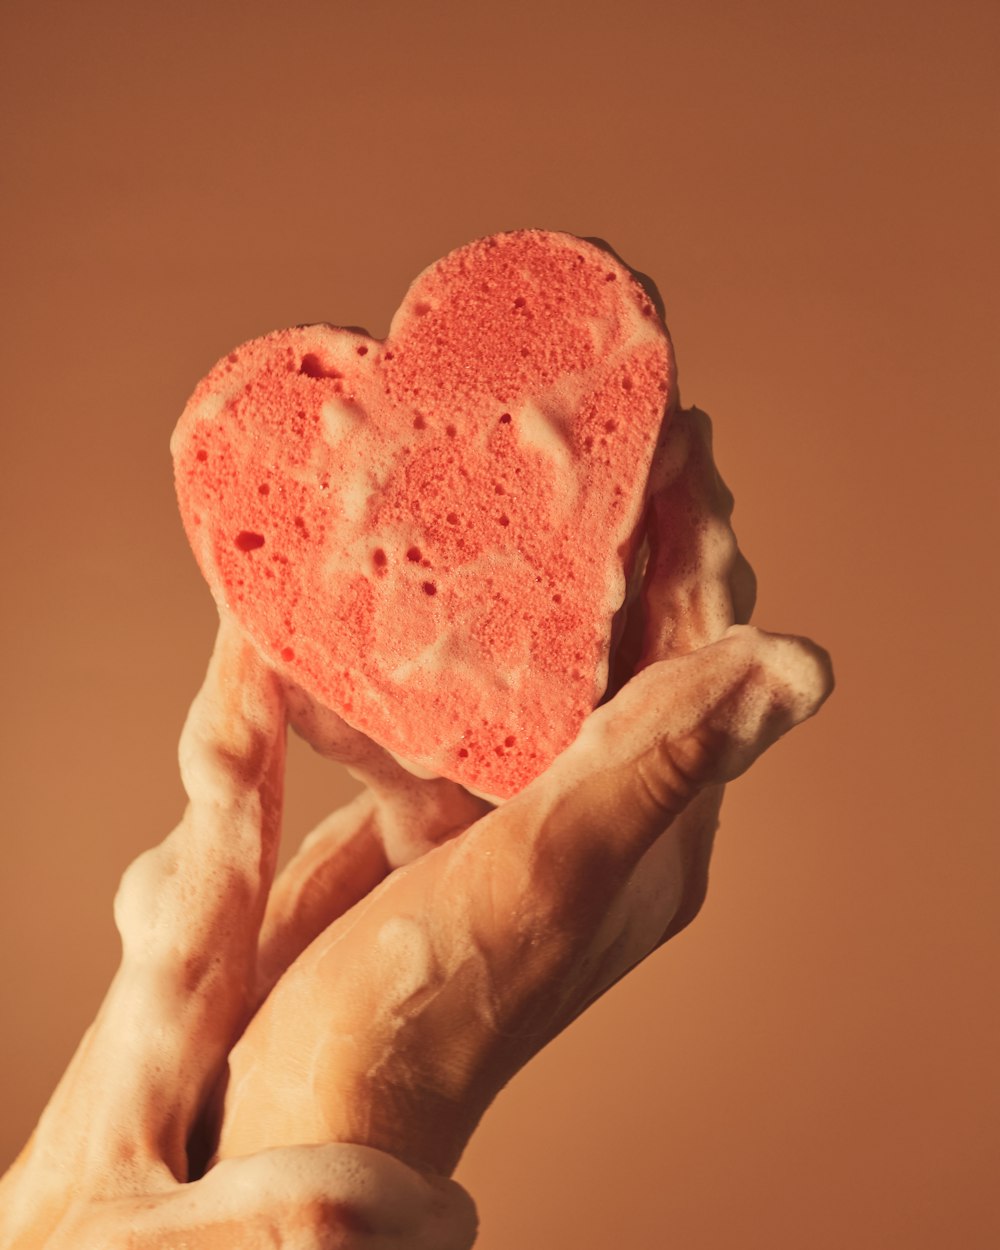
[397, 819]
[415, 813]
[691, 582]
[569, 914]
[398, 1025]
[337, 864]
[697, 581]
[332, 1197]
[188, 912]
[340, 862]
[697, 720]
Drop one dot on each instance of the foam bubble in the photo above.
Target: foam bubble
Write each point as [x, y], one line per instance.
[341, 421]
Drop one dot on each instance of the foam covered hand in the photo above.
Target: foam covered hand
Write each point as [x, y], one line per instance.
[108, 1164]
[334, 1038]
[401, 1020]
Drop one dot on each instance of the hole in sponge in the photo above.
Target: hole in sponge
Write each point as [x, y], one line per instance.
[247, 540]
[414, 555]
[202, 454]
[263, 489]
[287, 653]
[430, 588]
[505, 418]
[313, 367]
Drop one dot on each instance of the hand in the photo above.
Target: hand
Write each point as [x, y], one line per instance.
[406, 998]
[400, 1023]
[108, 1163]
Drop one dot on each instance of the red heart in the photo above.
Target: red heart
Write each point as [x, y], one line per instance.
[431, 534]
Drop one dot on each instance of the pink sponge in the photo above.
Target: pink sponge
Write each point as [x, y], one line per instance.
[431, 534]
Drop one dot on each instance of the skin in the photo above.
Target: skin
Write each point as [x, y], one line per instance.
[264, 1042]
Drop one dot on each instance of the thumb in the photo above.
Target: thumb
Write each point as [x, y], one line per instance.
[697, 720]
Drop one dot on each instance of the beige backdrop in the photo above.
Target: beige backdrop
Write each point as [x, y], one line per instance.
[814, 187]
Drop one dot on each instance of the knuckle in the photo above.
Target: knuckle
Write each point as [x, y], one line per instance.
[657, 793]
[215, 772]
[140, 891]
[672, 773]
[323, 1223]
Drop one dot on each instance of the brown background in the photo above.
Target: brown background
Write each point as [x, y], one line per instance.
[814, 188]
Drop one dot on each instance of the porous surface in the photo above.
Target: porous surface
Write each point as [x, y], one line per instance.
[431, 534]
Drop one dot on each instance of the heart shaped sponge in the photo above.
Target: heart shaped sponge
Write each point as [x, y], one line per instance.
[431, 534]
